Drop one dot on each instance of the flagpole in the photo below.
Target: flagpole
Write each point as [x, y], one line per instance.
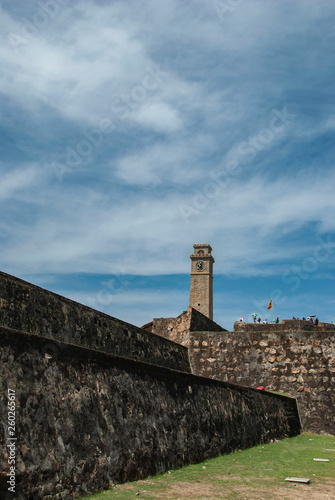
[270, 307]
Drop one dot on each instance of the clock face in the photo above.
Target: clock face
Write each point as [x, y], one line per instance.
[200, 265]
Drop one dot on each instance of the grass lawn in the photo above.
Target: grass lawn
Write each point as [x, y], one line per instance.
[256, 473]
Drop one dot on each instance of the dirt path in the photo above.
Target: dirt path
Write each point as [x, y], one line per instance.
[319, 489]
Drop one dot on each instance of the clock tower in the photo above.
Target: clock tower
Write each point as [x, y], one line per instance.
[201, 293]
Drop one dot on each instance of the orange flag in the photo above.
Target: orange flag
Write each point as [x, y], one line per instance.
[270, 305]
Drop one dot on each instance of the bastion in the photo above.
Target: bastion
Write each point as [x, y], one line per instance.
[293, 357]
[99, 401]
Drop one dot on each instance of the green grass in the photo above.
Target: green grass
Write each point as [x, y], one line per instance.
[255, 473]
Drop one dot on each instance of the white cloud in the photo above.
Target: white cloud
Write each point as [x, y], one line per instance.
[247, 224]
[12, 183]
[172, 162]
[72, 67]
[158, 116]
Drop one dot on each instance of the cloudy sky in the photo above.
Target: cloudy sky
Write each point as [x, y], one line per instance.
[132, 129]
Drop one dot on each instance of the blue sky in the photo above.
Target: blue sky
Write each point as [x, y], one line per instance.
[131, 130]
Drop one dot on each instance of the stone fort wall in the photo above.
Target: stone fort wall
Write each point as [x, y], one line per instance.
[293, 357]
[29, 308]
[111, 402]
[87, 419]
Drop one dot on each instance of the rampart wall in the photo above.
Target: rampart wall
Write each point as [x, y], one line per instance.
[100, 401]
[32, 309]
[294, 357]
[87, 419]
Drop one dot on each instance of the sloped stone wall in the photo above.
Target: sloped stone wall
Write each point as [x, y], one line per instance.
[200, 323]
[86, 419]
[32, 309]
[278, 357]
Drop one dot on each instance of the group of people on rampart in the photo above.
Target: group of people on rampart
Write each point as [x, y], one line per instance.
[312, 319]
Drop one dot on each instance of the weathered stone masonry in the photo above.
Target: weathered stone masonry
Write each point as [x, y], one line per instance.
[292, 357]
[89, 417]
[29, 308]
[295, 356]
[179, 329]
